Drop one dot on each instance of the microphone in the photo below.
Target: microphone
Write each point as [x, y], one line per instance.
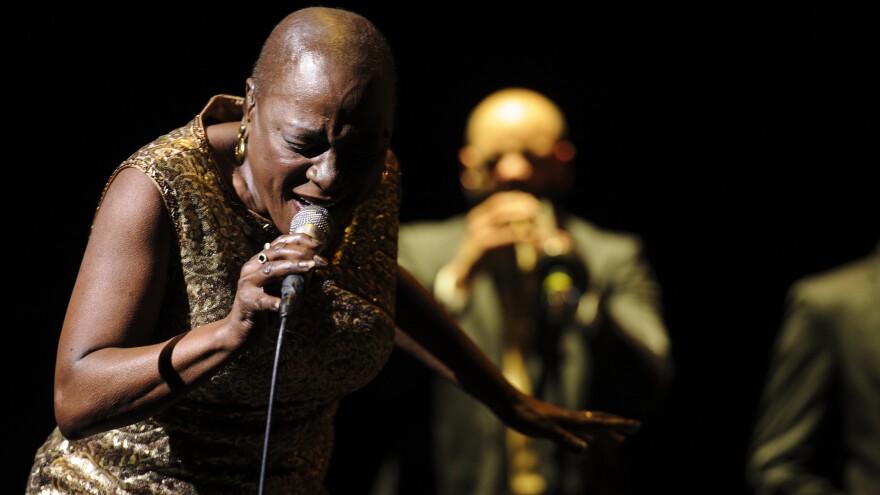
[314, 221]
[526, 255]
[563, 280]
[562, 276]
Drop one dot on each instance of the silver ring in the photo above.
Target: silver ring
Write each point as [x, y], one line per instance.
[262, 258]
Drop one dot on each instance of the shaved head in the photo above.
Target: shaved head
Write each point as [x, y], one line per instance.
[330, 37]
[515, 119]
[516, 138]
[318, 114]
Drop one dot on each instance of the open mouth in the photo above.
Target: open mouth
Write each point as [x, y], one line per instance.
[302, 202]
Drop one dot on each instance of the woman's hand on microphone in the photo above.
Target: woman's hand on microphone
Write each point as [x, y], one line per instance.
[258, 284]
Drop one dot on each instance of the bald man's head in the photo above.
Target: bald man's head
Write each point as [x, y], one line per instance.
[337, 37]
[515, 119]
[516, 139]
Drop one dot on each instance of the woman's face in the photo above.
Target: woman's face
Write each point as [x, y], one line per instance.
[316, 135]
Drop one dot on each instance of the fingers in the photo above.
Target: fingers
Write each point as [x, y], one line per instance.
[598, 426]
[609, 426]
[573, 429]
[504, 219]
[295, 253]
[504, 209]
[607, 420]
[540, 419]
[295, 245]
[569, 439]
[577, 429]
[616, 437]
[286, 255]
[515, 217]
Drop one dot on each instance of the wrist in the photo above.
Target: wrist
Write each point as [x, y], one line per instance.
[451, 287]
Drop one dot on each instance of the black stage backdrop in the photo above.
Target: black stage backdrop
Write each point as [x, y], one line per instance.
[741, 143]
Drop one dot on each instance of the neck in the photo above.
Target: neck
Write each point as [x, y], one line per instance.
[222, 139]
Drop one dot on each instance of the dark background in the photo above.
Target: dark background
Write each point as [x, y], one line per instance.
[739, 140]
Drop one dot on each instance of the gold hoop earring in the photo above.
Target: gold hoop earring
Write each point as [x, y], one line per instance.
[241, 146]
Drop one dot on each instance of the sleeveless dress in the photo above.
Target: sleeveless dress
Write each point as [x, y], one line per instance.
[211, 441]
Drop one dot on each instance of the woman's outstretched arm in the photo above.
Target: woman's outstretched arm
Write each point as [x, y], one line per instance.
[429, 333]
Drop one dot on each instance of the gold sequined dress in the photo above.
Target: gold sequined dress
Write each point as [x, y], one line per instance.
[211, 441]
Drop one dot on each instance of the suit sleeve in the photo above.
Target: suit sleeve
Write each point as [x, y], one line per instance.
[793, 405]
[633, 348]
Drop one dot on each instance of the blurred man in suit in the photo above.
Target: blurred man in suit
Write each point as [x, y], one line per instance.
[570, 311]
[818, 427]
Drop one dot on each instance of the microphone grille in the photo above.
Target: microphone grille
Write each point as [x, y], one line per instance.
[313, 220]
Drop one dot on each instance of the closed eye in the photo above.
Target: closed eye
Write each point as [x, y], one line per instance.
[306, 150]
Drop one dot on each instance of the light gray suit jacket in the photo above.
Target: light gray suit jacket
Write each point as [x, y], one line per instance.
[468, 438]
[818, 426]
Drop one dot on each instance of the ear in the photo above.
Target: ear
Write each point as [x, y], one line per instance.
[564, 151]
[469, 156]
[474, 178]
[249, 99]
[564, 174]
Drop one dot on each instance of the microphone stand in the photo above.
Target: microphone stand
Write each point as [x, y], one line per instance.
[281, 328]
[316, 222]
